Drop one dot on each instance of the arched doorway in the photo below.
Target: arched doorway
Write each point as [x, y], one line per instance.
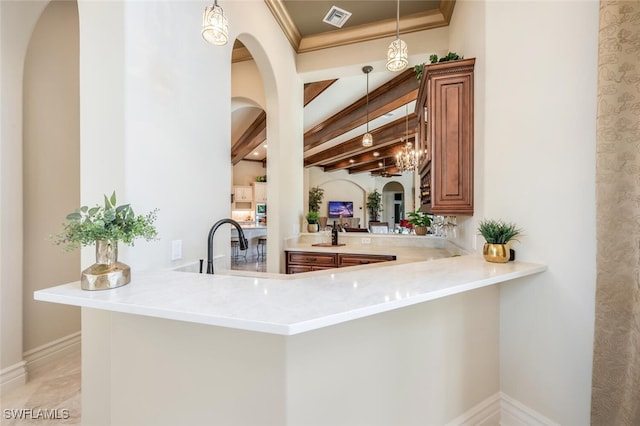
[393, 201]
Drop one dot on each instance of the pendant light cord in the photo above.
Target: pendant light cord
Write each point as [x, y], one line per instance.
[398, 19]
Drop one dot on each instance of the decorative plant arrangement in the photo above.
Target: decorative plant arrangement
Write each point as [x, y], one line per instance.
[374, 205]
[87, 225]
[105, 226]
[451, 56]
[261, 178]
[420, 222]
[498, 234]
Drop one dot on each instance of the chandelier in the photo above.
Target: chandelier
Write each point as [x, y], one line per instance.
[407, 159]
[397, 54]
[215, 26]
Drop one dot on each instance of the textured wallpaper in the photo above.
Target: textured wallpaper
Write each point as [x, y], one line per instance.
[616, 365]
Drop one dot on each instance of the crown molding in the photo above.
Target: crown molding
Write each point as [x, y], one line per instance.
[282, 17]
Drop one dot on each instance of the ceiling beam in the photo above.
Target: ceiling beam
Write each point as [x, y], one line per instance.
[382, 136]
[313, 90]
[253, 137]
[387, 152]
[391, 95]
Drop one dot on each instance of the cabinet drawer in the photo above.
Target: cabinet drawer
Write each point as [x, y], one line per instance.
[312, 259]
[362, 259]
[296, 269]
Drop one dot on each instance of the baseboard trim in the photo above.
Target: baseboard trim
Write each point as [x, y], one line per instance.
[486, 413]
[515, 413]
[13, 376]
[43, 355]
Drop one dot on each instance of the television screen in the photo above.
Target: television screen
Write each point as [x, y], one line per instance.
[340, 209]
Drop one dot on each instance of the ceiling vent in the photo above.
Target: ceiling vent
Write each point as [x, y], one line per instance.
[336, 16]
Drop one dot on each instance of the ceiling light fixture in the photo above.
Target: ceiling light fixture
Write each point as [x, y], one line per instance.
[215, 26]
[367, 139]
[407, 160]
[397, 54]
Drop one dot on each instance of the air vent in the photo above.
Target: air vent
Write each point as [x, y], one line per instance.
[336, 16]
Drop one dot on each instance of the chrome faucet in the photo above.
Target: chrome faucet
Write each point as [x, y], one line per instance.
[242, 240]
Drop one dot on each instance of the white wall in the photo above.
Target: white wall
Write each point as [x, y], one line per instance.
[535, 155]
[340, 185]
[17, 20]
[51, 169]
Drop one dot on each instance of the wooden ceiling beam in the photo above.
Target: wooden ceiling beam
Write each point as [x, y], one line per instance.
[384, 153]
[382, 136]
[253, 137]
[391, 95]
[313, 90]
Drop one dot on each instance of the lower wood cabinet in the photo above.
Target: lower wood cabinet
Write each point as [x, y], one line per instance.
[307, 261]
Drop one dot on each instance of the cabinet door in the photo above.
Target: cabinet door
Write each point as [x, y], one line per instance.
[450, 136]
[260, 192]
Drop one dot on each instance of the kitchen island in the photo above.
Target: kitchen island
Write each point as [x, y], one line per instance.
[403, 342]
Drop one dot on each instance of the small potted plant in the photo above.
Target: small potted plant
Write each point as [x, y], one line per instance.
[105, 226]
[498, 235]
[420, 221]
[312, 221]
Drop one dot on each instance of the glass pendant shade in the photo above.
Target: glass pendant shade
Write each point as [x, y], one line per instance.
[397, 55]
[215, 26]
[367, 139]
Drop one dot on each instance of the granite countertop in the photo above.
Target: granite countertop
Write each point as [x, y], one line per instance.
[292, 304]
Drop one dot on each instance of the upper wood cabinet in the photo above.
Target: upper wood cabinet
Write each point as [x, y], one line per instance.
[445, 109]
[260, 192]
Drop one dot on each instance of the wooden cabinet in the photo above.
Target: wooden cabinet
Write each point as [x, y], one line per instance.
[242, 198]
[445, 109]
[303, 261]
[260, 192]
[347, 259]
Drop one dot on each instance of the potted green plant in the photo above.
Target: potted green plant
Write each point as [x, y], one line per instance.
[312, 221]
[105, 226]
[420, 221]
[498, 235]
[374, 205]
[316, 194]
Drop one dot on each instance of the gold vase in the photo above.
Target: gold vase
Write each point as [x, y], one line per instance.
[496, 253]
[107, 272]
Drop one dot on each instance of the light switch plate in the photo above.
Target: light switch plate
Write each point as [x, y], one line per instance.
[176, 249]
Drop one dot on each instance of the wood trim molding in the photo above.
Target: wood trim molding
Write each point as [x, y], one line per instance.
[282, 17]
[387, 28]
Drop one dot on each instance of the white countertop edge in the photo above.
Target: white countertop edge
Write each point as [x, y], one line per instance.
[270, 327]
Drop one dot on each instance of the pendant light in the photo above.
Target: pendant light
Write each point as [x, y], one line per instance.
[215, 26]
[397, 55]
[367, 139]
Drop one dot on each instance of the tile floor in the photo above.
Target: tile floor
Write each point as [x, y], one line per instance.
[51, 397]
[251, 263]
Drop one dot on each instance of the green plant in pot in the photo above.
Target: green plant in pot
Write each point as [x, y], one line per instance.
[105, 226]
[498, 235]
[420, 221]
[316, 194]
[374, 205]
[312, 221]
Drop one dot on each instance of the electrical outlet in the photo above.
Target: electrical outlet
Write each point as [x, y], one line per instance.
[176, 249]
[366, 241]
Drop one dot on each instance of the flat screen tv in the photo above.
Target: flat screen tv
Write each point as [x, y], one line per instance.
[340, 209]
